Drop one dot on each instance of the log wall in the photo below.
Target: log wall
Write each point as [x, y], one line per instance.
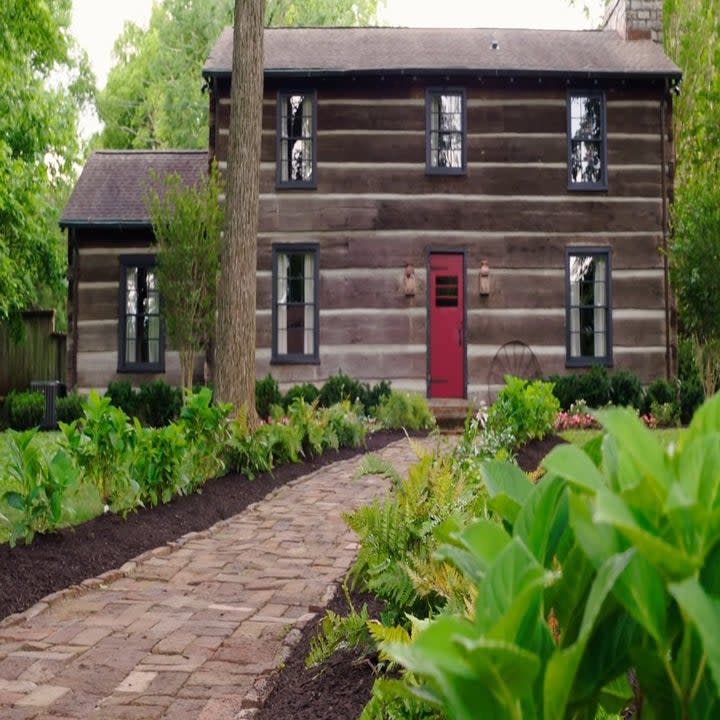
[374, 210]
[95, 273]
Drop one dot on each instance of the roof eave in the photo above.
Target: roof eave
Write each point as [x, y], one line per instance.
[107, 224]
[480, 72]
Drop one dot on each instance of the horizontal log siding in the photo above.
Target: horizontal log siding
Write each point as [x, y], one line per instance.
[374, 210]
[98, 276]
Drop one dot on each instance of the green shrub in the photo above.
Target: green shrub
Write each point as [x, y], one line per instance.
[526, 408]
[690, 391]
[566, 389]
[69, 408]
[609, 564]
[659, 391]
[665, 414]
[157, 463]
[626, 389]
[159, 404]
[346, 423]
[267, 394]
[37, 500]
[691, 396]
[376, 395]
[101, 444]
[342, 387]
[594, 387]
[206, 431]
[307, 391]
[404, 410]
[25, 410]
[123, 396]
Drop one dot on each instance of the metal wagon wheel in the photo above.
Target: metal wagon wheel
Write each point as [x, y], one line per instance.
[513, 358]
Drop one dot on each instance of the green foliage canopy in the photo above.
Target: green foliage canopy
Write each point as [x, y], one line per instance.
[153, 97]
[692, 39]
[45, 80]
[187, 222]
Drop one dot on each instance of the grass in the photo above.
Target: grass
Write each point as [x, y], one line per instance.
[579, 437]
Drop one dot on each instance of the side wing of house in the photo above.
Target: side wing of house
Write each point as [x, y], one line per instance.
[115, 328]
[414, 221]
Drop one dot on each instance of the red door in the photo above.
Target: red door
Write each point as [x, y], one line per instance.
[446, 318]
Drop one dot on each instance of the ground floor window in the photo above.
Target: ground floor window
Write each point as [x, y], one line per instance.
[141, 337]
[588, 306]
[295, 303]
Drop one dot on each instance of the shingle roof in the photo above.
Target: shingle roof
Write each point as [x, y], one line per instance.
[111, 188]
[328, 51]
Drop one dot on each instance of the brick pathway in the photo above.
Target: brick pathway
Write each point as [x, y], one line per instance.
[189, 630]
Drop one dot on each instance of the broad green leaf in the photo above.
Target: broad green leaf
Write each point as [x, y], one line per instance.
[496, 662]
[572, 464]
[435, 649]
[543, 518]
[563, 665]
[655, 683]
[710, 573]
[706, 419]
[507, 486]
[437, 654]
[671, 560]
[640, 590]
[704, 613]
[480, 543]
[62, 469]
[616, 694]
[567, 597]
[697, 470]
[598, 541]
[14, 500]
[637, 442]
[513, 586]
[485, 539]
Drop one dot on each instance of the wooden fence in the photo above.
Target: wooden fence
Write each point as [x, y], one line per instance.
[40, 355]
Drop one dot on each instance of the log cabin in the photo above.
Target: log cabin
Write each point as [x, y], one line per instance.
[438, 207]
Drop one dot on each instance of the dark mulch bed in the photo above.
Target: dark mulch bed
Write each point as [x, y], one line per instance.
[53, 562]
[66, 558]
[530, 455]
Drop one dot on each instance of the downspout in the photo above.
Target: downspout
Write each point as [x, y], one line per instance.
[666, 272]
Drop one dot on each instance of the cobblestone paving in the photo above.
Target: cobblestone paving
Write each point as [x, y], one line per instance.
[190, 630]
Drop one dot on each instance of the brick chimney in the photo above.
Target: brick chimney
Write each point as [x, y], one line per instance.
[635, 19]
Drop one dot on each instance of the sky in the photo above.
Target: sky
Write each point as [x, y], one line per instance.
[97, 23]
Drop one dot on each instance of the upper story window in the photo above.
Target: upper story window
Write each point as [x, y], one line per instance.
[295, 304]
[588, 307]
[141, 336]
[296, 140]
[587, 141]
[445, 134]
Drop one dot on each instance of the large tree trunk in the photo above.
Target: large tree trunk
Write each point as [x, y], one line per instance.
[235, 350]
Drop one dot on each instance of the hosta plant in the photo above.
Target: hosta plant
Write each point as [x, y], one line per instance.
[39, 487]
[157, 464]
[206, 430]
[101, 443]
[610, 564]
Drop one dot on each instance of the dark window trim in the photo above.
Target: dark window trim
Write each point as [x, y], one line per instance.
[586, 186]
[123, 366]
[589, 361]
[430, 92]
[294, 184]
[296, 358]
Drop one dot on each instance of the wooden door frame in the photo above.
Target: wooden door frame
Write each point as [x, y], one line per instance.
[444, 251]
